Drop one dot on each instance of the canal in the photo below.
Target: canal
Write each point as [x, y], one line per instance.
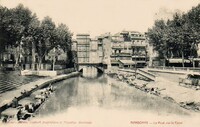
[96, 100]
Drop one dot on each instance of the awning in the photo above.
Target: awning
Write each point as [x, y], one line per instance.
[127, 62]
[178, 61]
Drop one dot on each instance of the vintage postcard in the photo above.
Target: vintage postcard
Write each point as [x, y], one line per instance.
[100, 63]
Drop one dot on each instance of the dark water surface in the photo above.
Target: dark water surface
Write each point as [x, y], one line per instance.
[80, 93]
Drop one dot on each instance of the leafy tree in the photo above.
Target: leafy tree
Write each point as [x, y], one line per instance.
[32, 37]
[4, 14]
[24, 34]
[63, 37]
[179, 37]
[19, 20]
[63, 40]
[158, 37]
[55, 52]
[47, 38]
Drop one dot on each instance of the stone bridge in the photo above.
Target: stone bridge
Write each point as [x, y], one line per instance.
[98, 66]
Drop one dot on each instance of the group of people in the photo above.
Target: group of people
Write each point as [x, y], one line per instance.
[28, 109]
[25, 111]
[45, 93]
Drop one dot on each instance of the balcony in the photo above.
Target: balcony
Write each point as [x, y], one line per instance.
[139, 56]
[139, 45]
[115, 47]
[120, 54]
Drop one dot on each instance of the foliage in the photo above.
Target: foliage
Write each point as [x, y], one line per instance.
[179, 37]
[21, 29]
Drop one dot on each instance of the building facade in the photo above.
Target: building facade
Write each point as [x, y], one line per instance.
[124, 49]
[89, 50]
[83, 47]
[140, 48]
[129, 46]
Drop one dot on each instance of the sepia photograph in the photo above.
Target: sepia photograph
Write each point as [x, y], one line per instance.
[99, 63]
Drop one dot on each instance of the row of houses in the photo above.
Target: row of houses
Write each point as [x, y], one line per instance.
[127, 49]
[18, 57]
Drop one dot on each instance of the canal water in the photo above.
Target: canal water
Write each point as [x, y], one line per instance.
[97, 102]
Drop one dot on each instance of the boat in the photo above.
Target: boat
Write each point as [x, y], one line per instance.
[190, 80]
[9, 114]
[35, 100]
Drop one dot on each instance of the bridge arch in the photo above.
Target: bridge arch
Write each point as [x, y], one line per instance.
[99, 69]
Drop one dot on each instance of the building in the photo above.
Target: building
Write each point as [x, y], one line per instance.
[94, 54]
[90, 54]
[124, 49]
[74, 45]
[89, 50]
[129, 46]
[106, 53]
[83, 47]
[140, 48]
[119, 49]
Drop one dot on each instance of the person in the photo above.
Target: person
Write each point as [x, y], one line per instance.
[46, 95]
[50, 88]
[37, 104]
[23, 113]
[30, 108]
[14, 102]
[19, 113]
[5, 119]
[24, 92]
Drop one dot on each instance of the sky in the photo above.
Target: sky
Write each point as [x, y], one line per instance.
[100, 16]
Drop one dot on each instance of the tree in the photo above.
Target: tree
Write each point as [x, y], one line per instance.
[19, 20]
[177, 37]
[63, 40]
[32, 37]
[4, 16]
[158, 37]
[23, 33]
[55, 52]
[47, 38]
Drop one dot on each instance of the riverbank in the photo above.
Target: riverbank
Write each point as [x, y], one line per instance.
[166, 89]
[7, 97]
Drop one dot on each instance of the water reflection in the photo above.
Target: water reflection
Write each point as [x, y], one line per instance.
[87, 93]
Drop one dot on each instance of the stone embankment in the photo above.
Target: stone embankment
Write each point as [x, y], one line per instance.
[7, 97]
[163, 87]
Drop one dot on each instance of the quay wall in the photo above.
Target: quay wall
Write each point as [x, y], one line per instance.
[39, 86]
[173, 71]
[50, 73]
